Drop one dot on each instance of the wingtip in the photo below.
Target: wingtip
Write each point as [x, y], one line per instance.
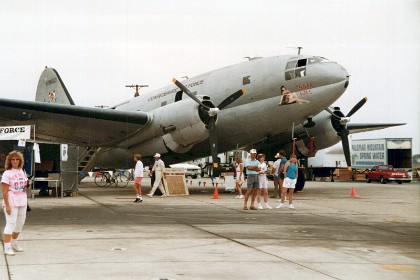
[243, 90]
[174, 80]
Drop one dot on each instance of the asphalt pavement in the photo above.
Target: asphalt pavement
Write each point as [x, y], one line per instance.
[102, 234]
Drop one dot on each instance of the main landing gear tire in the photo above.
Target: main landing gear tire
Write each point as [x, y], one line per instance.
[300, 183]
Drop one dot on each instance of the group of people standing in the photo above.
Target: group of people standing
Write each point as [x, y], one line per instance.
[285, 174]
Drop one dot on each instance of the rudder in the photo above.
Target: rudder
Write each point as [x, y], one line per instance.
[52, 89]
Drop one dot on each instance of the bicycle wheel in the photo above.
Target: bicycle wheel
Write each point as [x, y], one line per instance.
[101, 180]
[122, 181]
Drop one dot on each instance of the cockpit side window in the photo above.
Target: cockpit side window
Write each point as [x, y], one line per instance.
[296, 69]
[300, 72]
[291, 64]
[290, 75]
[301, 63]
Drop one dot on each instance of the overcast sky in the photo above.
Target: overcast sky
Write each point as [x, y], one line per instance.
[100, 46]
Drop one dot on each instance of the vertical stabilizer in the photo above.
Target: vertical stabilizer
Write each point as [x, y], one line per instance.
[52, 89]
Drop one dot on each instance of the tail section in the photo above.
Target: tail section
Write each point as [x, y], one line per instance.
[52, 89]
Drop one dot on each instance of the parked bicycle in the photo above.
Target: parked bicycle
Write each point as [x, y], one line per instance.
[117, 179]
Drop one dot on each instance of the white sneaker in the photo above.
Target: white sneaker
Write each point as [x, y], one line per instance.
[267, 206]
[150, 195]
[280, 205]
[237, 196]
[9, 252]
[16, 248]
[163, 195]
[291, 206]
[241, 196]
[260, 206]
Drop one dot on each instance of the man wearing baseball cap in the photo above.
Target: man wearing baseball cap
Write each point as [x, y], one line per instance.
[252, 166]
[158, 168]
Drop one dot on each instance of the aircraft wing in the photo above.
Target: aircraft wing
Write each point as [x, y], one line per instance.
[61, 123]
[363, 127]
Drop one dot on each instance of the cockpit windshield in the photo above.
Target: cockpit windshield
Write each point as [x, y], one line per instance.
[317, 59]
[296, 68]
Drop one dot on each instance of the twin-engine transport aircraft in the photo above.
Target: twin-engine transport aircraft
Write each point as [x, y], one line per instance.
[262, 103]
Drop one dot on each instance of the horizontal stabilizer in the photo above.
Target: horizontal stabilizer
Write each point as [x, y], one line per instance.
[363, 127]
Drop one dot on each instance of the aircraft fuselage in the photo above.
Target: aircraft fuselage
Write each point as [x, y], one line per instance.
[177, 132]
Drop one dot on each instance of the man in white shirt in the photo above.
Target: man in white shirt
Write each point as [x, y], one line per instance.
[158, 168]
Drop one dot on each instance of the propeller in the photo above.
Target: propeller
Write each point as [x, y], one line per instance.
[210, 117]
[339, 122]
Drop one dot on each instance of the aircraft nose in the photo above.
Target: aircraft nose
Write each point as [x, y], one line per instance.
[330, 73]
[335, 72]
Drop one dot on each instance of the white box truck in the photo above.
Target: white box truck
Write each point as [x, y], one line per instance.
[366, 153]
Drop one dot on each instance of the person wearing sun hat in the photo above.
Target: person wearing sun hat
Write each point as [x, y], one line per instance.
[158, 168]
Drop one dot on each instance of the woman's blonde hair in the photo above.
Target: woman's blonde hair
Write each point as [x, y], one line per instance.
[8, 162]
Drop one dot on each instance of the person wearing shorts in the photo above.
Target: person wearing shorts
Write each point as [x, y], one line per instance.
[262, 179]
[239, 175]
[253, 167]
[138, 177]
[290, 178]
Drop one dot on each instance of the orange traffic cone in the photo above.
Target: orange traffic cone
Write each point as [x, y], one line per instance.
[216, 192]
[353, 192]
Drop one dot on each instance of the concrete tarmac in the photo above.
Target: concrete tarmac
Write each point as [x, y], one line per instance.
[102, 234]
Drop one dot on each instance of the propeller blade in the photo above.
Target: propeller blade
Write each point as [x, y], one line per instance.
[357, 106]
[188, 92]
[231, 99]
[331, 112]
[346, 145]
[213, 145]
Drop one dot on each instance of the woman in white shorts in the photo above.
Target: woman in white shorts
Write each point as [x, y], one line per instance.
[239, 175]
[262, 178]
[290, 178]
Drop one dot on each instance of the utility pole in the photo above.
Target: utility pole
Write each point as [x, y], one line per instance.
[137, 88]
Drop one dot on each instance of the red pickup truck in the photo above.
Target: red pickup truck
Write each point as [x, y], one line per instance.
[386, 173]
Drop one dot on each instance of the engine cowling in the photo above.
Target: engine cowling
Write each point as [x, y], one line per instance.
[182, 127]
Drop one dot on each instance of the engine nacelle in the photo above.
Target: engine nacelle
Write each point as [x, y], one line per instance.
[310, 140]
[182, 126]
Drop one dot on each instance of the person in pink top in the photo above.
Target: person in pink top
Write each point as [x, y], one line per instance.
[14, 182]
